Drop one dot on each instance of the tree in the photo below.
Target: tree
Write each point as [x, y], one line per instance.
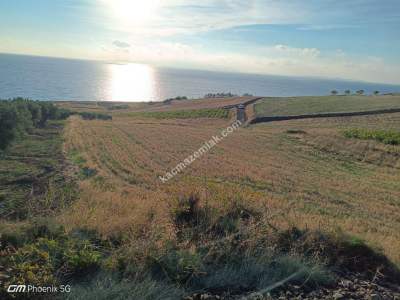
[334, 92]
[8, 125]
[19, 116]
[36, 112]
[376, 93]
[49, 112]
[23, 119]
[347, 92]
[360, 92]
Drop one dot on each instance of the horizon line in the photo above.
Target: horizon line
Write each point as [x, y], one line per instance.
[206, 70]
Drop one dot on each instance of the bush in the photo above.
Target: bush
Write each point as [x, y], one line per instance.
[116, 107]
[220, 95]
[8, 125]
[94, 116]
[87, 172]
[295, 131]
[43, 254]
[383, 136]
[168, 101]
[32, 264]
[19, 115]
[178, 265]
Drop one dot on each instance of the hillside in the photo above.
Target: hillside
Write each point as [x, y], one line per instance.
[298, 207]
[325, 104]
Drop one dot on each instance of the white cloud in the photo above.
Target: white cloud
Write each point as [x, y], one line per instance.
[278, 60]
[150, 37]
[284, 50]
[120, 44]
[170, 17]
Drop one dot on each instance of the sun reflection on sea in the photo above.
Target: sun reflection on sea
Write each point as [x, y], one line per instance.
[131, 82]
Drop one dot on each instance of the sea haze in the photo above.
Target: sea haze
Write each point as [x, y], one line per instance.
[44, 78]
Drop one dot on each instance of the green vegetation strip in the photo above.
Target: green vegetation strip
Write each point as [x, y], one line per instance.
[183, 114]
[383, 136]
[32, 182]
[19, 116]
[290, 106]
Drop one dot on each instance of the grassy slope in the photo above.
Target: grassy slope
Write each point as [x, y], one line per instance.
[324, 104]
[127, 107]
[317, 179]
[27, 167]
[227, 221]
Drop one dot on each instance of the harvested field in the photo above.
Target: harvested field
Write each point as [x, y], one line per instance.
[124, 107]
[303, 173]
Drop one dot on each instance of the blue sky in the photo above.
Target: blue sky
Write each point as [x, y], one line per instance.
[353, 39]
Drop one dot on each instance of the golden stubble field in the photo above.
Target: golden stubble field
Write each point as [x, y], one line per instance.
[302, 173]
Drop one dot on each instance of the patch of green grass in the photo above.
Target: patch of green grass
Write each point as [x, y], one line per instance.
[323, 104]
[103, 183]
[383, 136]
[105, 287]
[261, 274]
[76, 158]
[31, 174]
[184, 114]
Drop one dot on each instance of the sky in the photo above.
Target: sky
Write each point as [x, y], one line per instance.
[349, 39]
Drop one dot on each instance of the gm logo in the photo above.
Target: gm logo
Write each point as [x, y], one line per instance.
[15, 288]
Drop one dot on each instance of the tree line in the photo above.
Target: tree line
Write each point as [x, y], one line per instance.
[348, 92]
[19, 116]
[219, 95]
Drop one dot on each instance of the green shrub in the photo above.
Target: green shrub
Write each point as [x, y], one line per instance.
[76, 158]
[11, 236]
[383, 136]
[32, 264]
[169, 100]
[19, 115]
[94, 116]
[295, 131]
[184, 114]
[83, 259]
[8, 126]
[87, 172]
[45, 255]
[116, 107]
[43, 227]
[178, 265]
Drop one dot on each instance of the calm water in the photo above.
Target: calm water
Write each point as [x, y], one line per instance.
[61, 79]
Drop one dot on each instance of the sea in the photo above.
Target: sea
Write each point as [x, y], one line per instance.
[57, 79]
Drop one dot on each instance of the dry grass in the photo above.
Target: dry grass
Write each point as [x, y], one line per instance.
[317, 179]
